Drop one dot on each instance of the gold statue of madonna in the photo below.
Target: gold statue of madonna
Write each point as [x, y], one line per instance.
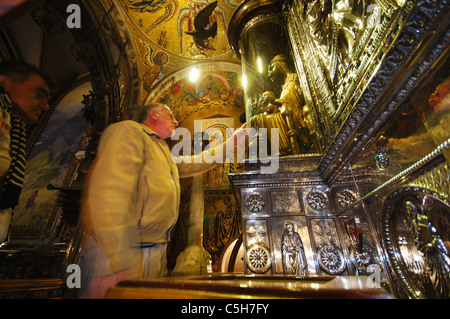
[269, 116]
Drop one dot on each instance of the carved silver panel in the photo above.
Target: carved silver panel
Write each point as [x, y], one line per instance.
[329, 251]
[291, 246]
[255, 203]
[285, 202]
[416, 236]
[316, 200]
[258, 256]
[358, 244]
[331, 259]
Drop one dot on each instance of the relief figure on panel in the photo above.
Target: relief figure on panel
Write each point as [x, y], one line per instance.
[432, 248]
[334, 26]
[293, 254]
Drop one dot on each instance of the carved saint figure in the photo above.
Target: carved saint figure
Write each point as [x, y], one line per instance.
[432, 248]
[293, 255]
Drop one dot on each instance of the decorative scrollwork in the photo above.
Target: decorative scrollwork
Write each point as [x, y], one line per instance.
[331, 259]
[255, 203]
[285, 202]
[258, 259]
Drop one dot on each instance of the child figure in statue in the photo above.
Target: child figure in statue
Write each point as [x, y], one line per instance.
[269, 116]
[291, 104]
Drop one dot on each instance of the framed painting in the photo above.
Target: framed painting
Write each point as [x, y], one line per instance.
[53, 159]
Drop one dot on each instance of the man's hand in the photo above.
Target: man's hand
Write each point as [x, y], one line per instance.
[239, 136]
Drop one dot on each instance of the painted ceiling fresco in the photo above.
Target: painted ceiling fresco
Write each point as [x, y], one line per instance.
[171, 35]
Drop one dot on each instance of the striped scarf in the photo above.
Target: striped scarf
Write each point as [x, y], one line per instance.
[13, 180]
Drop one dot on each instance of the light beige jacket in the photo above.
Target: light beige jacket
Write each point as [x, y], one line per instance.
[133, 191]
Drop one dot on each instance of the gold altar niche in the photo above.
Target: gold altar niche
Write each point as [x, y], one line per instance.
[360, 68]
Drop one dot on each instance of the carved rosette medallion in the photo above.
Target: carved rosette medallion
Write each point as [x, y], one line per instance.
[317, 200]
[254, 203]
[331, 259]
[258, 259]
[345, 198]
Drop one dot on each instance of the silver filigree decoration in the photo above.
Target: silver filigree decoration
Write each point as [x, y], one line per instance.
[331, 259]
[258, 259]
[317, 200]
[285, 202]
[256, 233]
[254, 203]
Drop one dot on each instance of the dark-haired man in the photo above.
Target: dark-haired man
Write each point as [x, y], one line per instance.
[24, 96]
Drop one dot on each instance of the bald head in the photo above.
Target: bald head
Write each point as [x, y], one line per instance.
[159, 118]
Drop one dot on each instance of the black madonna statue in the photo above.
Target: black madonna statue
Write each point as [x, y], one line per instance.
[291, 105]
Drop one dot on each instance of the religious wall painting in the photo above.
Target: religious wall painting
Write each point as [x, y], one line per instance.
[222, 223]
[219, 89]
[432, 103]
[180, 231]
[216, 130]
[193, 29]
[155, 65]
[50, 161]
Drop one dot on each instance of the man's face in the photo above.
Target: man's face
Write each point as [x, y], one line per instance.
[30, 97]
[165, 123]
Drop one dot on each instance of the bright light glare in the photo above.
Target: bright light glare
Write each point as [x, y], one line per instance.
[259, 65]
[244, 81]
[193, 76]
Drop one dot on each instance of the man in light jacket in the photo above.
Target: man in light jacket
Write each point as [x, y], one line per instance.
[132, 199]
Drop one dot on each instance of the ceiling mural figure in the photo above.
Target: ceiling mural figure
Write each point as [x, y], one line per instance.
[204, 27]
[193, 29]
[152, 6]
[201, 19]
[214, 89]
